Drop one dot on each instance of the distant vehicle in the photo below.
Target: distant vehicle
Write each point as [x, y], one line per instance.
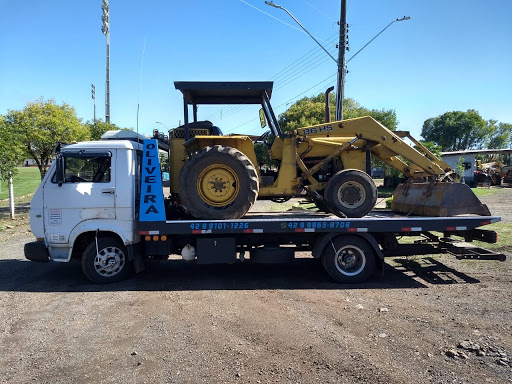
[492, 172]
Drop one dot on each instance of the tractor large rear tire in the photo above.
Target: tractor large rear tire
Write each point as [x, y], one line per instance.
[351, 193]
[218, 183]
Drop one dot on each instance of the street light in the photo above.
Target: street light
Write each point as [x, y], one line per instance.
[377, 35]
[93, 92]
[105, 29]
[157, 122]
[305, 30]
[341, 58]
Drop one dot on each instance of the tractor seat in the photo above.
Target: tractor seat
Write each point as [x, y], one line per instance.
[214, 130]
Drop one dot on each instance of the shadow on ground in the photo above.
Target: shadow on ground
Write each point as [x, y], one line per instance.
[177, 275]
[19, 209]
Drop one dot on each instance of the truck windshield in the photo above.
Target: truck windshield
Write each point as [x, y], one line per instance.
[86, 169]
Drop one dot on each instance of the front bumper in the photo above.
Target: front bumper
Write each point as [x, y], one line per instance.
[36, 251]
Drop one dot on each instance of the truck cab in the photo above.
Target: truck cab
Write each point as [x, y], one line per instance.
[90, 191]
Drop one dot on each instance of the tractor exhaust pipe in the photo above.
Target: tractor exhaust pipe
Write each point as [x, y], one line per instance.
[327, 106]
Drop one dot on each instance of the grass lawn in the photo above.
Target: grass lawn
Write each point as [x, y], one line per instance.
[25, 183]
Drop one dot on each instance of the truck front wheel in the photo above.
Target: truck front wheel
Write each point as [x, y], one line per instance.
[107, 262]
[349, 259]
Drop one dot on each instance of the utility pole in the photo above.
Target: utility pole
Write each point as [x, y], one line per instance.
[342, 47]
[341, 55]
[105, 29]
[93, 91]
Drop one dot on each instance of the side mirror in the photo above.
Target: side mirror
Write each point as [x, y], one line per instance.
[263, 121]
[59, 175]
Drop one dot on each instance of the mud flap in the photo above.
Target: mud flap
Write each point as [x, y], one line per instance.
[437, 199]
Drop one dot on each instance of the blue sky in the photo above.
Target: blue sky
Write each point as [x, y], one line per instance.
[451, 55]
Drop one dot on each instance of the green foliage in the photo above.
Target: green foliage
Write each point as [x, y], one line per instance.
[43, 123]
[99, 127]
[263, 156]
[459, 168]
[457, 130]
[12, 151]
[164, 161]
[311, 111]
[433, 147]
[302, 113]
[500, 136]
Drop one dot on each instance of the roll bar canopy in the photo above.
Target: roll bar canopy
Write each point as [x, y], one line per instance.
[227, 92]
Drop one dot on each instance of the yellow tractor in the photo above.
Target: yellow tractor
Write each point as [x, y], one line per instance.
[217, 176]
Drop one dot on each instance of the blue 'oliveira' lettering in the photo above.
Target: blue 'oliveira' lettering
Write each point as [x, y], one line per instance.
[152, 199]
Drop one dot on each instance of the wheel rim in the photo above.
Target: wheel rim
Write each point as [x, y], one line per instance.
[350, 260]
[351, 195]
[218, 185]
[109, 261]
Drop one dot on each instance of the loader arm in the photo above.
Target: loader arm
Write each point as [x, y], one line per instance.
[384, 144]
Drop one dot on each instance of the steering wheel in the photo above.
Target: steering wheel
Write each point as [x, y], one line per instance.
[76, 179]
[264, 138]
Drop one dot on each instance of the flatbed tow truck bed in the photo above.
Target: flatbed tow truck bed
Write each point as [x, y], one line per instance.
[350, 248]
[299, 222]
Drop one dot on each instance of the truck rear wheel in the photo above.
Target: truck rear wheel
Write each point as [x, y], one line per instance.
[349, 259]
[351, 193]
[218, 183]
[108, 262]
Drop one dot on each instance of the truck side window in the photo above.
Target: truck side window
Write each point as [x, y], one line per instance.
[86, 169]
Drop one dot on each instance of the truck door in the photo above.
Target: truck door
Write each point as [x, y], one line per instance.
[87, 193]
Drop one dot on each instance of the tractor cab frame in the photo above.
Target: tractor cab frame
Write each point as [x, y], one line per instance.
[227, 92]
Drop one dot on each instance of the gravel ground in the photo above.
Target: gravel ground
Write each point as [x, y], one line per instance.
[427, 320]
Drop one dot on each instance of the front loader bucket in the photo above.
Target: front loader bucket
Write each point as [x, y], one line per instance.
[437, 199]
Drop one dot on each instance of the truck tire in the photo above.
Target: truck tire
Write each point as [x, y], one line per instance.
[349, 259]
[351, 193]
[218, 183]
[110, 264]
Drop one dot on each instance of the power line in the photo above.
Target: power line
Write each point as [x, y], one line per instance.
[294, 98]
[282, 76]
[288, 78]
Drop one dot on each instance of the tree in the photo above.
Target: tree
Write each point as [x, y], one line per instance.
[457, 130]
[41, 125]
[311, 111]
[11, 150]
[501, 135]
[99, 127]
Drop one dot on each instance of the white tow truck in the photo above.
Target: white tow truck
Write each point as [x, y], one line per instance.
[101, 203]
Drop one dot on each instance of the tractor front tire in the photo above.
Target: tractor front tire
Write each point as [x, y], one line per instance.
[218, 183]
[351, 193]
